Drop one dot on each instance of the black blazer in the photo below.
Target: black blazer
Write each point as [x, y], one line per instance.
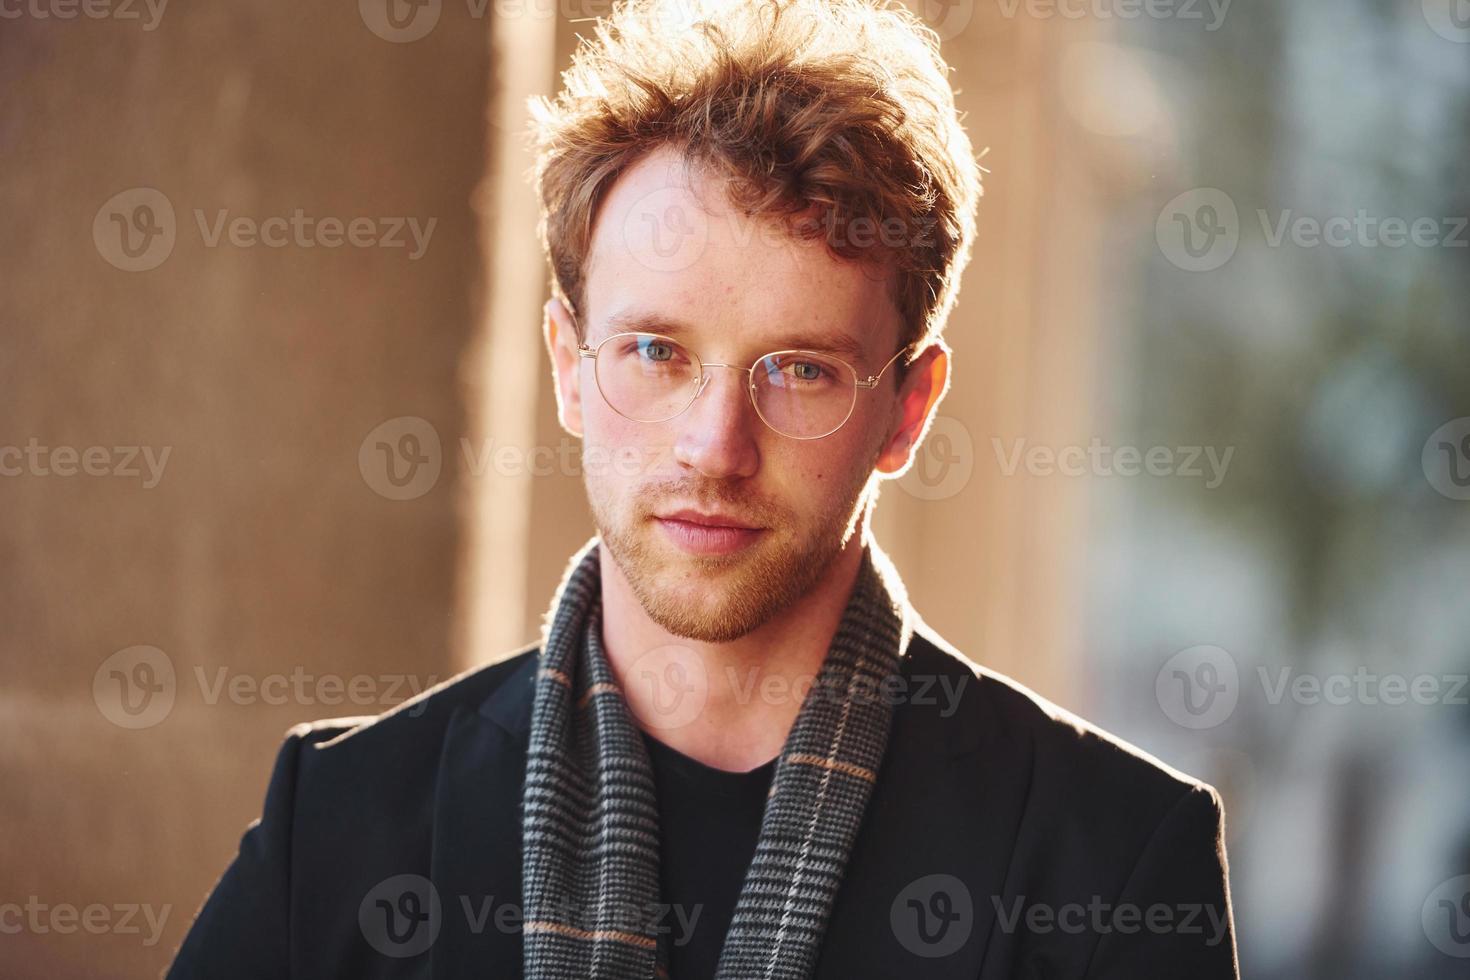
[1004, 839]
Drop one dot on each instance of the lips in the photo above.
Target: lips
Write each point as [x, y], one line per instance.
[701, 533]
[713, 520]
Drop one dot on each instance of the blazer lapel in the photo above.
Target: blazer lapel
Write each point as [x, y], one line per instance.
[936, 841]
[476, 860]
[916, 899]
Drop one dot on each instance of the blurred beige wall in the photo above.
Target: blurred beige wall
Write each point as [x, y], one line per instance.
[262, 550]
[276, 547]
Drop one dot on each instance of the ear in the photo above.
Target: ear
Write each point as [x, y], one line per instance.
[566, 363]
[924, 384]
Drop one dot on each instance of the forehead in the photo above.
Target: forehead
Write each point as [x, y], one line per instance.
[666, 246]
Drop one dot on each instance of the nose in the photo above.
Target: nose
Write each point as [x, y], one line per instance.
[717, 432]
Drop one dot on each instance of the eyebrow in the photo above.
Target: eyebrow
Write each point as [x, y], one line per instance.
[639, 322]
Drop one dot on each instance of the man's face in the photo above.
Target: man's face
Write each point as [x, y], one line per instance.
[730, 289]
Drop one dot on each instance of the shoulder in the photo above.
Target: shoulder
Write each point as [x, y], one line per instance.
[352, 798]
[1075, 770]
[408, 738]
[1083, 820]
[351, 803]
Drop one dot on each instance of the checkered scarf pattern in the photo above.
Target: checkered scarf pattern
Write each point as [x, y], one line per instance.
[590, 859]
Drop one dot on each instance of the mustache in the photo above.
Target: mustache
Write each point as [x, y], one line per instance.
[708, 496]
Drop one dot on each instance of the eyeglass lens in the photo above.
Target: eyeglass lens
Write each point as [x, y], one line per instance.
[650, 378]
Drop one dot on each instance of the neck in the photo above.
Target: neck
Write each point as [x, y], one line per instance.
[752, 688]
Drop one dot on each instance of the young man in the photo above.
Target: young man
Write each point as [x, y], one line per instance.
[737, 751]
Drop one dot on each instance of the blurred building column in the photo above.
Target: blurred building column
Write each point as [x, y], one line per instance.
[508, 371]
[267, 328]
[990, 550]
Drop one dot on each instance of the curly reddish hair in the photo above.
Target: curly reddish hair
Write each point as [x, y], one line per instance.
[834, 117]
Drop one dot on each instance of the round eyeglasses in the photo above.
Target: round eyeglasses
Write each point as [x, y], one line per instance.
[802, 394]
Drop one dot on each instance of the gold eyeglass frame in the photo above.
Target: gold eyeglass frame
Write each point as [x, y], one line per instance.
[702, 380]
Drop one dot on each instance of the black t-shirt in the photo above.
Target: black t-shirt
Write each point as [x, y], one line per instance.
[709, 821]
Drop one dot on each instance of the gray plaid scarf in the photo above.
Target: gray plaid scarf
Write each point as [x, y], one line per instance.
[590, 864]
